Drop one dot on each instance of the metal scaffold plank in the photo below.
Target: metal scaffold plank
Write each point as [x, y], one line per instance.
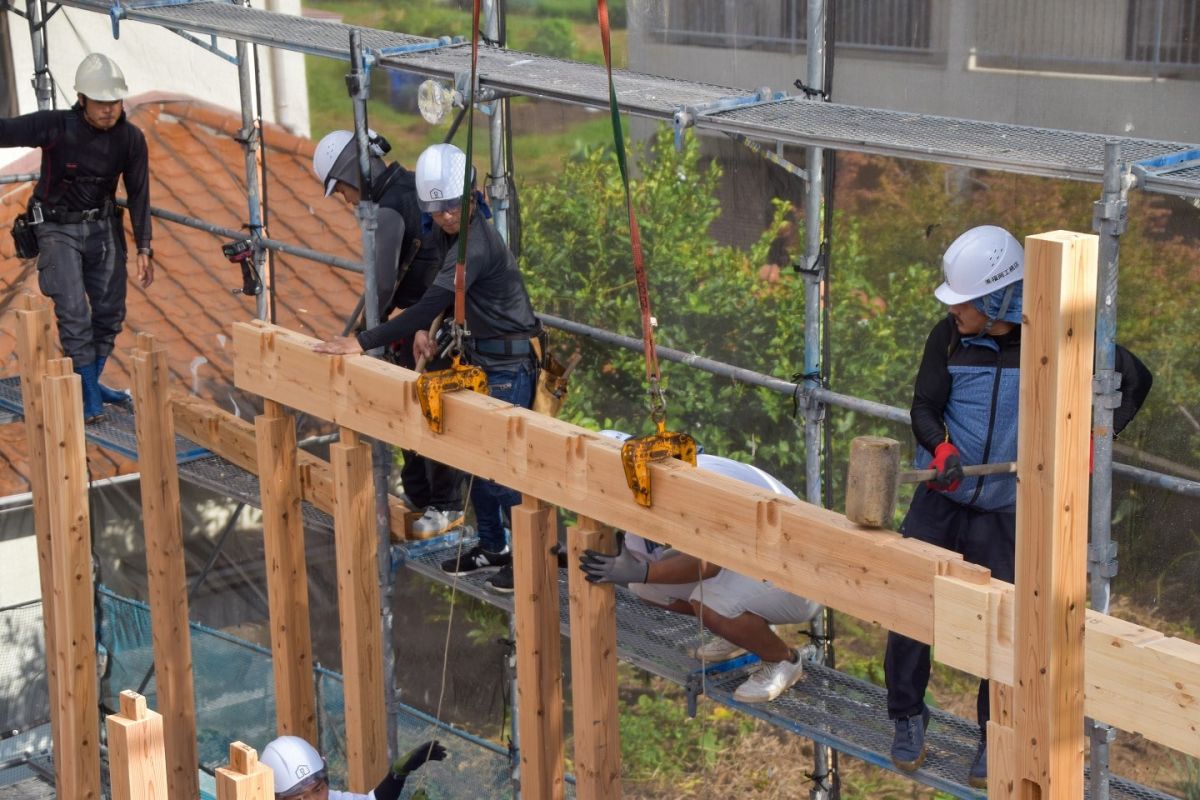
[796, 121]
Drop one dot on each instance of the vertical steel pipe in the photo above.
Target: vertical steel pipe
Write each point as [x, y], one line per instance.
[42, 85]
[250, 145]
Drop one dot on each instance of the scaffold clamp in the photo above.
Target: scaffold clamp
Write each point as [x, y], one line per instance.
[117, 11]
[636, 455]
[432, 385]
[686, 116]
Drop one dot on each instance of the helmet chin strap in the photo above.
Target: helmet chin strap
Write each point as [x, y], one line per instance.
[1004, 303]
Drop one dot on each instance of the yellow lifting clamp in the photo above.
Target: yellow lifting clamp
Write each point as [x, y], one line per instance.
[432, 385]
[636, 455]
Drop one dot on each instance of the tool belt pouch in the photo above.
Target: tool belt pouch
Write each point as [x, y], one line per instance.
[24, 237]
[552, 380]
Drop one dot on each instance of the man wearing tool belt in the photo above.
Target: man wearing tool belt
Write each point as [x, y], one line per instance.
[407, 258]
[964, 411]
[81, 264]
[500, 319]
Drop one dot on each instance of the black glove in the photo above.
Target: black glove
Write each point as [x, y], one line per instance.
[414, 759]
[622, 569]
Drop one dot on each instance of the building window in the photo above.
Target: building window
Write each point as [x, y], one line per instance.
[1164, 31]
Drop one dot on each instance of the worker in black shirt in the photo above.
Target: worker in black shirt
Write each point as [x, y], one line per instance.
[500, 319]
[81, 241]
[406, 260]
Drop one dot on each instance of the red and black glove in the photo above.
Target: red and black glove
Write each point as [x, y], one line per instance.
[948, 464]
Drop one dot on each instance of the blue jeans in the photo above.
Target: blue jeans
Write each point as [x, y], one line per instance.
[493, 502]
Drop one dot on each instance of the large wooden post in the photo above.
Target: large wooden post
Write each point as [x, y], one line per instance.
[539, 656]
[166, 571]
[137, 764]
[1052, 513]
[287, 575]
[35, 331]
[358, 608]
[245, 778]
[594, 668]
[75, 704]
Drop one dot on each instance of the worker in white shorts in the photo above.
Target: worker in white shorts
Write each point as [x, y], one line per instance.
[738, 609]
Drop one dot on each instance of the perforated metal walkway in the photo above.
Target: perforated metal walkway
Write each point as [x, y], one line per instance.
[984, 145]
[115, 432]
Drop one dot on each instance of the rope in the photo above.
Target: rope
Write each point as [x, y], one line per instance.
[653, 375]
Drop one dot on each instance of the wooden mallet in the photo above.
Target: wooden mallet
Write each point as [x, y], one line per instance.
[874, 475]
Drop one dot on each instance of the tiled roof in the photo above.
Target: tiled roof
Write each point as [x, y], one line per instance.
[197, 169]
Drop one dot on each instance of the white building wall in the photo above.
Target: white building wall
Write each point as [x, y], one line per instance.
[949, 81]
[154, 59]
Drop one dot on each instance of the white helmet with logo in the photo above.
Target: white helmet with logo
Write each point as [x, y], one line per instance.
[99, 78]
[979, 262]
[297, 765]
[441, 170]
[337, 159]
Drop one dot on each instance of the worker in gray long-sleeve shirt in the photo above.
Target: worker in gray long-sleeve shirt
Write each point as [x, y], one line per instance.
[80, 237]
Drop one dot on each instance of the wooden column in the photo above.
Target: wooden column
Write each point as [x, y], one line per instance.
[1052, 513]
[137, 760]
[166, 571]
[1002, 753]
[77, 773]
[287, 576]
[35, 342]
[245, 778]
[594, 668]
[539, 657]
[358, 609]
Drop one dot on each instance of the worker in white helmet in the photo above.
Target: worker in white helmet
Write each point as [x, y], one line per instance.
[964, 411]
[73, 224]
[500, 318]
[740, 611]
[407, 259]
[300, 771]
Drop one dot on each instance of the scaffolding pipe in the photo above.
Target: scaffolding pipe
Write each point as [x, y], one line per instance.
[20, 177]
[497, 180]
[249, 138]
[1109, 222]
[42, 85]
[359, 84]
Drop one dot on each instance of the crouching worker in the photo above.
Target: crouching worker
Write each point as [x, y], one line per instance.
[300, 771]
[738, 609]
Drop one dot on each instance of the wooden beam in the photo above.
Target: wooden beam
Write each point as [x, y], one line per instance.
[287, 575]
[35, 343]
[358, 610]
[77, 775]
[539, 658]
[137, 758]
[245, 778]
[1052, 512]
[594, 668]
[874, 575]
[166, 571]
[232, 438]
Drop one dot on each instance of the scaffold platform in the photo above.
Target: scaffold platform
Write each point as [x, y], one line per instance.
[792, 120]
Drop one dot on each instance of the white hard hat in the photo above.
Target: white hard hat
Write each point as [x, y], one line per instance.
[441, 170]
[338, 146]
[99, 78]
[979, 262]
[296, 763]
[747, 473]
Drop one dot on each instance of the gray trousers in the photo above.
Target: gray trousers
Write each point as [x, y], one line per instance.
[81, 268]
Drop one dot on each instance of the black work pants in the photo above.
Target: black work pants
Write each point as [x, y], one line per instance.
[987, 538]
[81, 268]
[427, 482]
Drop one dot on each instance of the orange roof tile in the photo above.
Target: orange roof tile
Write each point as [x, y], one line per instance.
[197, 169]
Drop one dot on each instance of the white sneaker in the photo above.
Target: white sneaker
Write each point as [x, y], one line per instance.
[771, 680]
[717, 649]
[435, 521]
